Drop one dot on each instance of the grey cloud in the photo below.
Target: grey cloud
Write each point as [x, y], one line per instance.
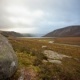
[59, 12]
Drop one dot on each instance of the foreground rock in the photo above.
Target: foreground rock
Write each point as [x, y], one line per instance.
[8, 59]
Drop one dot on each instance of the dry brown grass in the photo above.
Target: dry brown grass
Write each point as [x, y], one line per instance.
[68, 40]
[30, 56]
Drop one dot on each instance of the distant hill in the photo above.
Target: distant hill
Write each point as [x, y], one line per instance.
[16, 34]
[32, 35]
[70, 31]
[28, 35]
[11, 34]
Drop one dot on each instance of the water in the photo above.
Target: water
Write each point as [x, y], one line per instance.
[36, 37]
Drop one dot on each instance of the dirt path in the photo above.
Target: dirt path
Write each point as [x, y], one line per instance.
[27, 74]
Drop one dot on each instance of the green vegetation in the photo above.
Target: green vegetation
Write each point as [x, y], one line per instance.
[31, 59]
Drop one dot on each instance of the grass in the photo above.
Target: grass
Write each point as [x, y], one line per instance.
[68, 40]
[30, 56]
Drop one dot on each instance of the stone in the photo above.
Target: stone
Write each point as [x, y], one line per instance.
[8, 59]
[54, 55]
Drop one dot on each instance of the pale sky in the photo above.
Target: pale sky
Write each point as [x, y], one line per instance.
[38, 16]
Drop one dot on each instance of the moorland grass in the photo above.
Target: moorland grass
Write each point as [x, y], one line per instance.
[30, 55]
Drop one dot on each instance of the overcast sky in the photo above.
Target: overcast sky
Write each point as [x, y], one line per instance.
[38, 16]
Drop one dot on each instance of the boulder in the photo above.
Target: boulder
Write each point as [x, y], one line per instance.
[8, 59]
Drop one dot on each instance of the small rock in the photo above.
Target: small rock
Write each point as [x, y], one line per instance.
[55, 61]
[44, 46]
[51, 42]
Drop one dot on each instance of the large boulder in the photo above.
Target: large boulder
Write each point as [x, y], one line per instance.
[8, 59]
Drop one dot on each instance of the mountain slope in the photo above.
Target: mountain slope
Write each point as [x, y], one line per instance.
[11, 34]
[70, 31]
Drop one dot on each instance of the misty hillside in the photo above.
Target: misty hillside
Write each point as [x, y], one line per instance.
[11, 34]
[70, 31]
[28, 35]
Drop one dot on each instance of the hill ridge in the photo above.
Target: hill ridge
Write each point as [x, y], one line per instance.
[70, 31]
